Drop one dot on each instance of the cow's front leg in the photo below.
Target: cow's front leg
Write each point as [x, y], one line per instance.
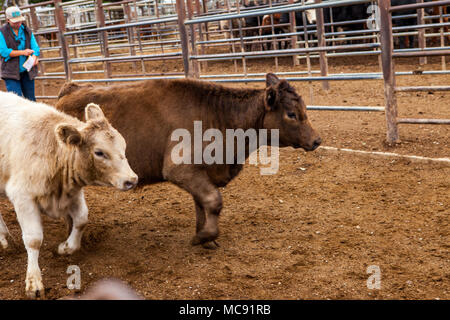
[77, 218]
[200, 215]
[206, 195]
[29, 218]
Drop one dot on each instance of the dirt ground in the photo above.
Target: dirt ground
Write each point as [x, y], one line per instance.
[308, 232]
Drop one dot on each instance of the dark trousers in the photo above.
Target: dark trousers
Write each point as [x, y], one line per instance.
[23, 87]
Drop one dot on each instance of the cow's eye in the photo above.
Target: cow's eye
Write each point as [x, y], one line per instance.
[100, 154]
[291, 115]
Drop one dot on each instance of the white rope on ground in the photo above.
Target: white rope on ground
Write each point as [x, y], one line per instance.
[388, 154]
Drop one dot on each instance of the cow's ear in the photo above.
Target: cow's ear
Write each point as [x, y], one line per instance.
[283, 85]
[68, 134]
[271, 80]
[271, 99]
[93, 112]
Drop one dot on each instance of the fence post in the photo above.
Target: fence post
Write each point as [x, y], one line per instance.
[35, 27]
[388, 70]
[441, 31]
[181, 11]
[421, 37]
[322, 43]
[205, 10]
[293, 29]
[103, 35]
[130, 31]
[195, 64]
[203, 64]
[59, 19]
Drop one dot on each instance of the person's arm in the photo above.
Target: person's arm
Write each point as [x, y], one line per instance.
[35, 46]
[7, 53]
[16, 53]
[4, 50]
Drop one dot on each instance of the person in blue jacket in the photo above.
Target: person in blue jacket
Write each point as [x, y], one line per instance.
[17, 43]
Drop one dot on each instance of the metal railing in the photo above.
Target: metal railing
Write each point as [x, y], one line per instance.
[193, 35]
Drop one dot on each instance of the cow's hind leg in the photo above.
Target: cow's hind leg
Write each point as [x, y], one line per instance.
[77, 218]
[3, 233]
[208, 200]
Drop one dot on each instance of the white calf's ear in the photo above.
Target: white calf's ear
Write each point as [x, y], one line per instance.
[68, 134]
[93, 112]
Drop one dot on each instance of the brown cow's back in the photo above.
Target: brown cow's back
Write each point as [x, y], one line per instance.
[149, 111]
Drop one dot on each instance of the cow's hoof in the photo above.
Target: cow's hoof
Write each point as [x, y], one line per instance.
[204, 237]
[34, 288]
[65, 249]
[35, 294]
[3, 242]
[213, 245]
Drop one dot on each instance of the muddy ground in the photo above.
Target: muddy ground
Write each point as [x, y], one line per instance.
[308, 232]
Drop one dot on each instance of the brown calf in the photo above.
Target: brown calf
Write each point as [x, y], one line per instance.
[147, 113]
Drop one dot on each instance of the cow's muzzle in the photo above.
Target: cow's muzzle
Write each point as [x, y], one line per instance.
[316, 144]
[130, 184]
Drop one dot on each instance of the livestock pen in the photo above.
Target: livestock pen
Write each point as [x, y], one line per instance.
[374, 194]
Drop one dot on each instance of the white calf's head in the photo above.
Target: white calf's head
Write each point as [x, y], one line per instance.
[311, 14]
[99, 157]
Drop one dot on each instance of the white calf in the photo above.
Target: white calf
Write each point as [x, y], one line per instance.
[46, 158]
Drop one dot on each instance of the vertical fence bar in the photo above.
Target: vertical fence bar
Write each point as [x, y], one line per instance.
[308, 57]
[441, 31]
[158, 28]
[59, 19]
[103, 36]
[388, 70]
[330, 9]
[241, 35]
[230, 34]
[35, 28]
[294, 37]
[130, 32]
[275, 40]
[195, 65]
[322, 43]
[421, 37]
[205, 10]
[75, 49]
[181, 11]
[203, 64]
